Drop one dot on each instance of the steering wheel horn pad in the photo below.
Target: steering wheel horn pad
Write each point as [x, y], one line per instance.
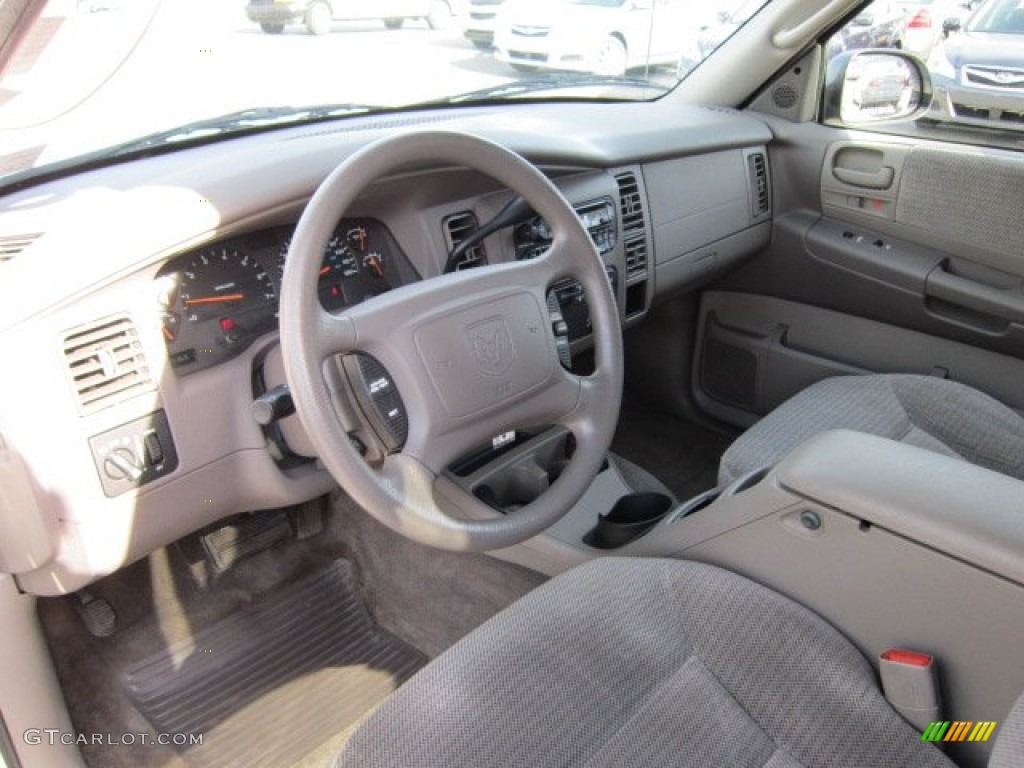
[489, 354]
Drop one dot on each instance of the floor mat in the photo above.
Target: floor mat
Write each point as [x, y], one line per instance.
[274, 682]
[683, 455]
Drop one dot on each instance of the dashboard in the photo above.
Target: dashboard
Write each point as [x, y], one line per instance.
[215, 301]
[141, 302]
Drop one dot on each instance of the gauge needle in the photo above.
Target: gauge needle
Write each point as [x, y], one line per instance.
[167, 333]
[325, 270]
[375, 265]
[215, 299]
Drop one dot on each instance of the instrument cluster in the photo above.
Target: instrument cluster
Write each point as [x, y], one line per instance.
[217, 300]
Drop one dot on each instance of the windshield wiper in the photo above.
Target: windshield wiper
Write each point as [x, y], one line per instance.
[246, 119]
[551, 82]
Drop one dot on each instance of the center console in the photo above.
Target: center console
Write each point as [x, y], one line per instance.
[895, 545]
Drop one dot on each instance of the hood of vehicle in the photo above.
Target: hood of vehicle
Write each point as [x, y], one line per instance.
[983, 49]
[538, 17]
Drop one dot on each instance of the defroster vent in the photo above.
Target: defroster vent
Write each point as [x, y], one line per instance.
[106, 363]
[634, 226]
[457, 228]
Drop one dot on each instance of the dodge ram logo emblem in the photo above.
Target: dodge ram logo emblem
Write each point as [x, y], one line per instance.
[492, 346]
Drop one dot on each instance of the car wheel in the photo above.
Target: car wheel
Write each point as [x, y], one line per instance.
[272, 29]
[611, 60]
[440, 16]
[319, 18]
[393, 23]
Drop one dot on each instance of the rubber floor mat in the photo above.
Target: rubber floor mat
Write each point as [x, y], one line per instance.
[275, 681]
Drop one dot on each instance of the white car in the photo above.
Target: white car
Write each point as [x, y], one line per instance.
[481, 18]
[607, 37]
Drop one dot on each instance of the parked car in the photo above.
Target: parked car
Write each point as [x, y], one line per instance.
[880, 25]
[925, 20]
[978, 72]
[607, 37]
[319, 15]
[717, 26]
[880, 87]
[481, 20]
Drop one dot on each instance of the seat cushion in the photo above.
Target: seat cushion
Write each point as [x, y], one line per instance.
[939, 415]
[644, 662]
[1008, 751]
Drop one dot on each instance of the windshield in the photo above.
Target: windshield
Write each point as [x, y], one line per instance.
[1000, 17]
[81, 78]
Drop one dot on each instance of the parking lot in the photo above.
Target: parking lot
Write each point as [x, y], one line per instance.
[189, 70]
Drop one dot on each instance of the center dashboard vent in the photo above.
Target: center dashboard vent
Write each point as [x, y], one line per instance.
[457, 228]
[634, 226]
[106, 363]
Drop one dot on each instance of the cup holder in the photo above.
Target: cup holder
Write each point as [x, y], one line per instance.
[515, 488]
[631, 517]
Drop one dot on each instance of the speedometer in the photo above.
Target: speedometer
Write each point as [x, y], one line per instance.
[224, 283]
[214, 304]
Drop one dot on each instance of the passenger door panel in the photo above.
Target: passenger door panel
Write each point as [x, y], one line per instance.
[886, 255]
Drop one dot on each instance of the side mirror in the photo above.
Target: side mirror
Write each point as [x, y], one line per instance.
[949, 26]
[873, 86]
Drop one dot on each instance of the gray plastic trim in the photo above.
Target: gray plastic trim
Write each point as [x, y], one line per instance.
[950, 505]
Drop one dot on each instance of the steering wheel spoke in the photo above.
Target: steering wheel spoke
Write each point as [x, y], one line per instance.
[562, 258]
[335, 334]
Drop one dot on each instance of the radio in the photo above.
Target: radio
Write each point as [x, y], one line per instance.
[533, 236]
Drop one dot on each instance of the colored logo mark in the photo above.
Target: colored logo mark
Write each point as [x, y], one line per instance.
[959, 730]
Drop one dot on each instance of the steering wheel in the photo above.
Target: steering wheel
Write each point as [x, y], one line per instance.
[469, 355]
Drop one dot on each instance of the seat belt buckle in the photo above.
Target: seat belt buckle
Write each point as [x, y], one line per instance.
[910, 682]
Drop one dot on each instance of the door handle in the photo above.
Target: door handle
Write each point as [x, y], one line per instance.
[880, 179]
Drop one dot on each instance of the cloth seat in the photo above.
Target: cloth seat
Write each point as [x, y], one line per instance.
[644, 663]
[940, 415]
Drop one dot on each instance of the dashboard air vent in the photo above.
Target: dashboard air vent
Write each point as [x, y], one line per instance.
[634, 228]
[759, 199]
[457, 228]
[12, 245]
[106, 363]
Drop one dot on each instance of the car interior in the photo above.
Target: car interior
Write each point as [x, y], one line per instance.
[524, 433]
